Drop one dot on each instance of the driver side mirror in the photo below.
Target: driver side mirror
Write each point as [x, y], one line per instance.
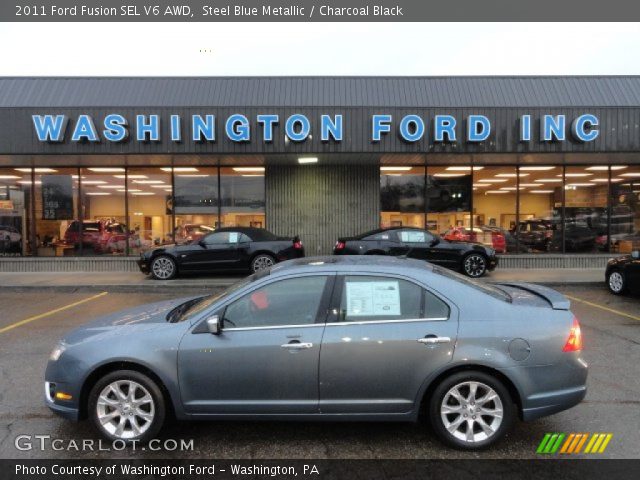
[214, 325]
[635, 254]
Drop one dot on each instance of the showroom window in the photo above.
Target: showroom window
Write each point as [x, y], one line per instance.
[402, 196]
[150, 208]
[586, 194]
[448, 198]
[540, 208]
[195, 202]
[625, 209]
[58, 232]
[15, 208]
[242, 197]
[494, 216]
[102, 193]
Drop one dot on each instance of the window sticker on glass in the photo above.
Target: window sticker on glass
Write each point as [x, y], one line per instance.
[412, 237]
[373, 298]
[233, 237]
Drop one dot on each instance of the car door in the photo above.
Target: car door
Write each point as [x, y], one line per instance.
[415, 243]
[218, 250]
[385, 335]
[265, 360]
[633, 272]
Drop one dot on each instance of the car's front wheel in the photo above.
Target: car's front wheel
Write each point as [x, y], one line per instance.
[616, 282]
[474, 265]
[163, 268]
[127, 405]
[471, 410]
[262, 262]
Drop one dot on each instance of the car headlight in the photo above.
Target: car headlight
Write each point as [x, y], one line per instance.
[56, 352]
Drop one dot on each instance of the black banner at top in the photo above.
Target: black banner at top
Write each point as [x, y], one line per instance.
[318, 11]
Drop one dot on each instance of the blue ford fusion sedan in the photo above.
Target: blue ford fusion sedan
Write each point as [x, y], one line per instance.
[329, 338]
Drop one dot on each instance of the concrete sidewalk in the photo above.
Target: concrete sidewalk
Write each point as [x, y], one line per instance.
[136, 282]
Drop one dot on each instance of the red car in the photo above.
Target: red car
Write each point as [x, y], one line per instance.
[101, 236]
[478, 235]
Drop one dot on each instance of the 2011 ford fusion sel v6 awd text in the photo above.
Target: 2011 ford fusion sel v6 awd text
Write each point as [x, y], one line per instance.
[329, 338]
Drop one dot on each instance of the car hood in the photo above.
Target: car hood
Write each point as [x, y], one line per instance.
[145, 316]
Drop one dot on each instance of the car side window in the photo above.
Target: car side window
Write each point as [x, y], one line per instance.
[434, 308]
[369, 298]
[219, 238]
[415, 236]
[292, 301]
[243, 238]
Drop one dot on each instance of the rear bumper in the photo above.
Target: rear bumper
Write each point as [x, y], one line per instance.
[553, 402]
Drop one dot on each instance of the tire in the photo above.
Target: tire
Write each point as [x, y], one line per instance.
[262, 262]
[616, 282]
[118, 416]
[485, 429]
[474, 265]
[163, 267]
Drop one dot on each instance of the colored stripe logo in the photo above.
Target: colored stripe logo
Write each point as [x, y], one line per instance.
[574, 443]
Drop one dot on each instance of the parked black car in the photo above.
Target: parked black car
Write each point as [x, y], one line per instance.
[623, 274]
[472, 259]
[226, 249]
[546, 235]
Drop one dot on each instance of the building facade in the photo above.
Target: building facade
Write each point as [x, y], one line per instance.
[112, 166]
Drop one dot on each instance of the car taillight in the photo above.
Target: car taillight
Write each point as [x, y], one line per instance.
[297, 245]
[340, 245]
[574, 342]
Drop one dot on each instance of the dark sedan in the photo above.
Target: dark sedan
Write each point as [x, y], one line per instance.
[472, 259]
[226, 249]
[623, 274]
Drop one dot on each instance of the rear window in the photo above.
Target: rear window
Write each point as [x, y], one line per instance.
[489, 289]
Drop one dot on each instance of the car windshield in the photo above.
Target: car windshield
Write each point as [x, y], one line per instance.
[189, 309]
[477, 284]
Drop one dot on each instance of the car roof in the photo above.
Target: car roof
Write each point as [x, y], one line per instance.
[251, 232]
[351, 263]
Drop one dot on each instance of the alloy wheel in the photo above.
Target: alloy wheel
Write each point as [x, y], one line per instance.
[475, 265]
[125, 409]
[616, 282]
[471, 412]
[261, 262]
[163, 268]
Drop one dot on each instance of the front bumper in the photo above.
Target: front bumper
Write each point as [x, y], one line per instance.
[492, 263]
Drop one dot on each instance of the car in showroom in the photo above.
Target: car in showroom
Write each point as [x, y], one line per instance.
[472, 259]
[348, 338]
[190, 232]
[484, 235]
[623, 274]
[546, 235]
[226, 249]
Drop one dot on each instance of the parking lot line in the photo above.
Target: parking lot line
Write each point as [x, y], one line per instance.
[51, 312]
[602, 307]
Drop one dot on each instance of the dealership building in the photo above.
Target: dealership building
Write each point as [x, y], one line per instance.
[549, 165]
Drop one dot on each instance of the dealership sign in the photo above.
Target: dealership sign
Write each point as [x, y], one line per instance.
[298, 128]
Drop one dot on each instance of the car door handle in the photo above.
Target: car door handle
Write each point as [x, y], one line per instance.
[434, 340]
[297, 345]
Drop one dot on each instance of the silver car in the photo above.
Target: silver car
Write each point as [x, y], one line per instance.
[329, 338]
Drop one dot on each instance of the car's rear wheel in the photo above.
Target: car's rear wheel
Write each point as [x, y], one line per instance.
[616, 282]
[474, 265]
[127, 405]
[471, 410]
[262, 262]
[163, 268]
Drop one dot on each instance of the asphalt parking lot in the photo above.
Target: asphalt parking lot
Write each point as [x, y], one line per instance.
[31, 322]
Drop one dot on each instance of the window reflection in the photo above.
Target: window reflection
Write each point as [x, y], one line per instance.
[448, 198]
[402, 196]
[195, 202]
[625, 209]
[242, 197]
[15, 195]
